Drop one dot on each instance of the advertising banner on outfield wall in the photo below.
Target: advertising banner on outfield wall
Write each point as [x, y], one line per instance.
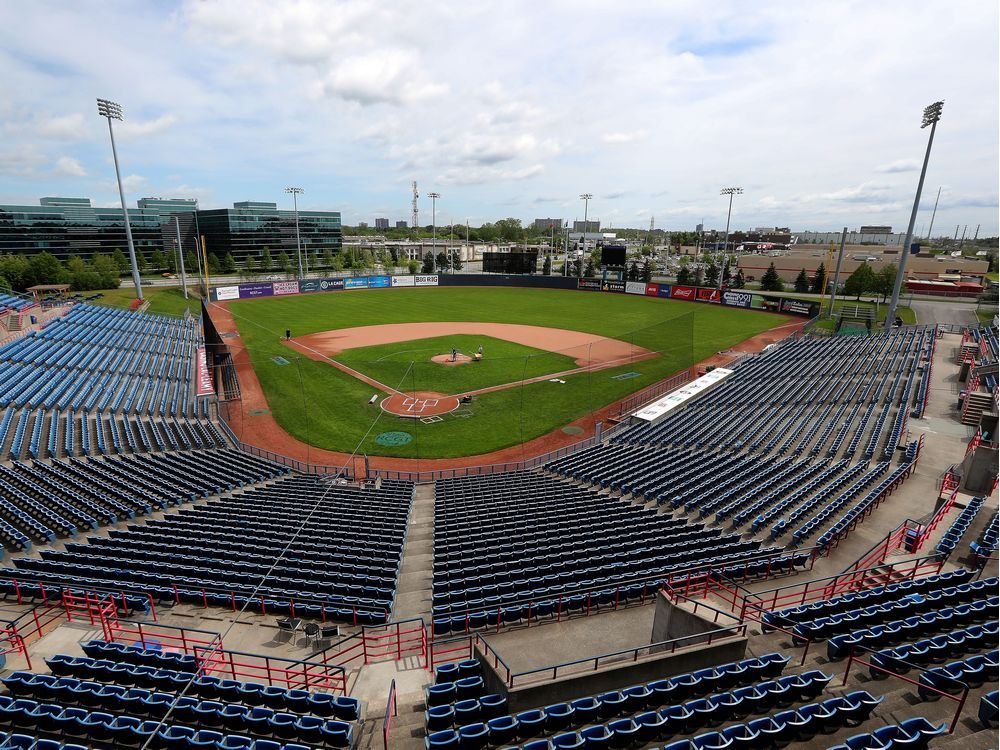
[635, 287]
[403, 280]
[652, 290]
[286, 287]
[708, 295]
[379, 282]
[663, 290]
[425, 280]
[589, 285]
[227, 292]
[799, 307]
[356, 282]
[613, 286]
[683, 292]
[307, 286]
[737, 299]
[255, 290]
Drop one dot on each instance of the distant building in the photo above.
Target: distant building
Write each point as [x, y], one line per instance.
[544, 225]
[875, 229]
[381, 223]
[362, 225]
[401, 225]
[590, 227]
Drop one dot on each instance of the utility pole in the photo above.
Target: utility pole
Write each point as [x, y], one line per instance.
[414, 216]
[836, 276]
[933, 214]
[296, 191]
[932, 114]
[962, 241]
[586, 202]
[976, 235]
[731, 191]
[433, 197]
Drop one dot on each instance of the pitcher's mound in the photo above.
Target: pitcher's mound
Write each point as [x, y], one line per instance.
[420, 404]
[445, 359]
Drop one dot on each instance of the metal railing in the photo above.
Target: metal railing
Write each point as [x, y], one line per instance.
[390, 712]
[650, 393]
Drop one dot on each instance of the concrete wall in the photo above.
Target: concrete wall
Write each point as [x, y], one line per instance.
[979, 470]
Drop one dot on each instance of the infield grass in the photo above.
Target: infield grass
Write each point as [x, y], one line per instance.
[320, 405]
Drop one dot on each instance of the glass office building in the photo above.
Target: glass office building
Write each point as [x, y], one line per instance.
[72, 226]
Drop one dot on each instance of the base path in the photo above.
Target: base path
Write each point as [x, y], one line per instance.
[252, 422]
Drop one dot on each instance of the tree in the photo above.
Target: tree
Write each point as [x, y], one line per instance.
[228, 263]
[861, 281]
[699, 276]
[265, 260]
[802, 282]
[337, 264]
[190, 262]
[328, 257]
[817, 281]
[412, 266]
[251, 267]
[885, 281]
[157, 261]
[727, 273]
[285, 263]
[588, 270]
[45, 268]
[142, 262]
[456, 260]
[428, 266]
[739, 281]
[647, 270]
[172, 262]
[75, 264]
[120, 260]
[442, 261]
[712, 275]
[771, 281]
[633, 272]
[213, 263]
[509, 229]
[106, 271]
[547, 266]
[684, 275]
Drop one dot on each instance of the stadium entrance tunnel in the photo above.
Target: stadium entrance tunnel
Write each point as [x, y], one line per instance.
[419, 404]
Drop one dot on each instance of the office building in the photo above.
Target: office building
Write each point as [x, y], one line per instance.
[401, 225]
[381, 223]
[547, 225]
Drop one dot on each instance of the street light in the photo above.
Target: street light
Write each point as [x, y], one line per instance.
[113, 111]
[585, 197]
[434, 197]
[932, 114]
[730, 191]
[296, 192]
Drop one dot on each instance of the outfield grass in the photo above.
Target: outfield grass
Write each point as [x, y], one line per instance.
[168, 300]
[410, 362]
[325, 407]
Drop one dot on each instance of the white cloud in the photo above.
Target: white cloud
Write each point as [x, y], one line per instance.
[69, 167]
[63, 127]
[144, 128]
[384, 77]
[900, 165]
[624, 137]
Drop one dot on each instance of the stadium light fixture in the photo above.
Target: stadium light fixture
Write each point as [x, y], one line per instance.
[434, 196]
[931, 116]
[585, 197]
[296, 192]
[113, 111]
[730, 191]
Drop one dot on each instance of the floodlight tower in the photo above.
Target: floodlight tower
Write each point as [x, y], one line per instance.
[113, 111]
[433, 197]
[585, 197]
[296, 192]
[730, 191]
[932, 114]
[414, 215]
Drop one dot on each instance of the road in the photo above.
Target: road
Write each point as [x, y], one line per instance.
[931, 311]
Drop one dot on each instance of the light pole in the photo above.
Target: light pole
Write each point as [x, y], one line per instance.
[434, 197]
[113, 111]
[933, 214]
[180, 256]
[585, 197]
[932, 114]
[296, 192]
[730, 191]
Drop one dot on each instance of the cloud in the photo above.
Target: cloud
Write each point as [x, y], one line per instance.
[384, 77]
[69, 167]
[900, 165]
[624, 137]
[23, 162]
[614, 195]
[62, 128]
[144, 128]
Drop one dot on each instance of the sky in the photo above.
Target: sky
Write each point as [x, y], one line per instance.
[513, 108]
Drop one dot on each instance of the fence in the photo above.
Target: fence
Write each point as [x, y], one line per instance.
[640, 398]
[390, 712]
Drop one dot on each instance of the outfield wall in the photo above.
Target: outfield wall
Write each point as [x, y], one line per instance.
[705, 295]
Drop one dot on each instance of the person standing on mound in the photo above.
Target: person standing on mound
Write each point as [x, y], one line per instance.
[454, 355]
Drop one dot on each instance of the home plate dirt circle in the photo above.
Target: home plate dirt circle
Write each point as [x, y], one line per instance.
[419, 404]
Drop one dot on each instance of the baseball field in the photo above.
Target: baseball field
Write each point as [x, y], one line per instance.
[476, 369]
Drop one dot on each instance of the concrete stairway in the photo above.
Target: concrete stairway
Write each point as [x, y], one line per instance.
[413, 591]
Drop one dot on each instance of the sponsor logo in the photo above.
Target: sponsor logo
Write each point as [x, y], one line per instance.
[286, 287]
[356, 282]
[589, 284]
[331, 285]
[652, 290]
[205, 386]
[425, 280]
[402, 281]
[255, 290]
[798, 307]
[737, 299]
[227, 292]
[635, 287]
[664, 290]
[379, 282]
[309, 285]
[682, 292]
[708, 295]
[613, 286]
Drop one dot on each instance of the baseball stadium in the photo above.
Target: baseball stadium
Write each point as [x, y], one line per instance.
[471, 511]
